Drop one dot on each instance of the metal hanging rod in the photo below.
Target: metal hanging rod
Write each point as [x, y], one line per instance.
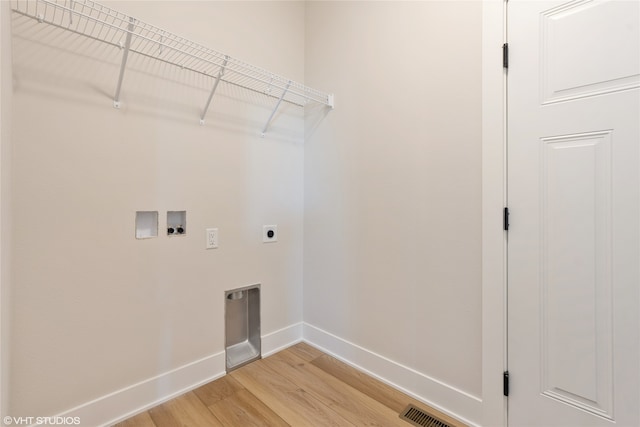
[107, 25]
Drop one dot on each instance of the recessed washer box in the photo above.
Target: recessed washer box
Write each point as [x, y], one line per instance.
[176, 223]
[146, 224]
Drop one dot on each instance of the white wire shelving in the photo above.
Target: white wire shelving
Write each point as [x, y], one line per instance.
[131, 35]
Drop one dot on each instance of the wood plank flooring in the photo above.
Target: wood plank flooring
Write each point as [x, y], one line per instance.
[299, 386]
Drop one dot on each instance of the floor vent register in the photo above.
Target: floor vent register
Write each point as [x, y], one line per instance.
[419, 418]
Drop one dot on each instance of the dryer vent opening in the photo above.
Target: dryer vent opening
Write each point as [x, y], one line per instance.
[242, 326]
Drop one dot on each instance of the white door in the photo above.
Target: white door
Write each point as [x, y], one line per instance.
[574, 198]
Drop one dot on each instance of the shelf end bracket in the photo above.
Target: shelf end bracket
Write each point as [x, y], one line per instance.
[123, 65]
[266, 126]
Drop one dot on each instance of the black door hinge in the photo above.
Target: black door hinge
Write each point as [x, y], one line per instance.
[505, 55]
[505, 219]
[505, 383]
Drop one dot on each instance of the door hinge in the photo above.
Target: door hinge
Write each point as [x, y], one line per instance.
[505, 383]
[505, 55]
[505, 219]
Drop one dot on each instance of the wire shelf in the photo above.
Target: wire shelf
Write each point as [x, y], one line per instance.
[107, 25]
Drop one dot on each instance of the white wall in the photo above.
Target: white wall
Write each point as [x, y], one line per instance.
[94, 309]
[392, 272]
[6, 95]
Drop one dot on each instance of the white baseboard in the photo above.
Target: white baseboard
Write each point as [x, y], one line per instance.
[443, 397]
[129, 401]
[281, 339]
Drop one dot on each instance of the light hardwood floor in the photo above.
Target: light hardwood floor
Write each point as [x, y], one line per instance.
[299, 386]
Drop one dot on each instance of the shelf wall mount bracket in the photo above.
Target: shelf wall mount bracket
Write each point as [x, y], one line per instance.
[123, 65]
[213, 90]
[266, 126]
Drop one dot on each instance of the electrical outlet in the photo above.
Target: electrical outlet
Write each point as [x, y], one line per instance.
[212, 238]
[270, 233]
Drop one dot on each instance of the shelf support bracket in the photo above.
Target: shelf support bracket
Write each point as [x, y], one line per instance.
[213, 90]
[284, 92]
[125, 55]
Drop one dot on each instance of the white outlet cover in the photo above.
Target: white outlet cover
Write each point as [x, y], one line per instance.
[211, 235]
[268, 237]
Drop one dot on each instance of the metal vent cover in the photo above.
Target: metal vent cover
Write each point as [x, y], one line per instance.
[419, 418]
